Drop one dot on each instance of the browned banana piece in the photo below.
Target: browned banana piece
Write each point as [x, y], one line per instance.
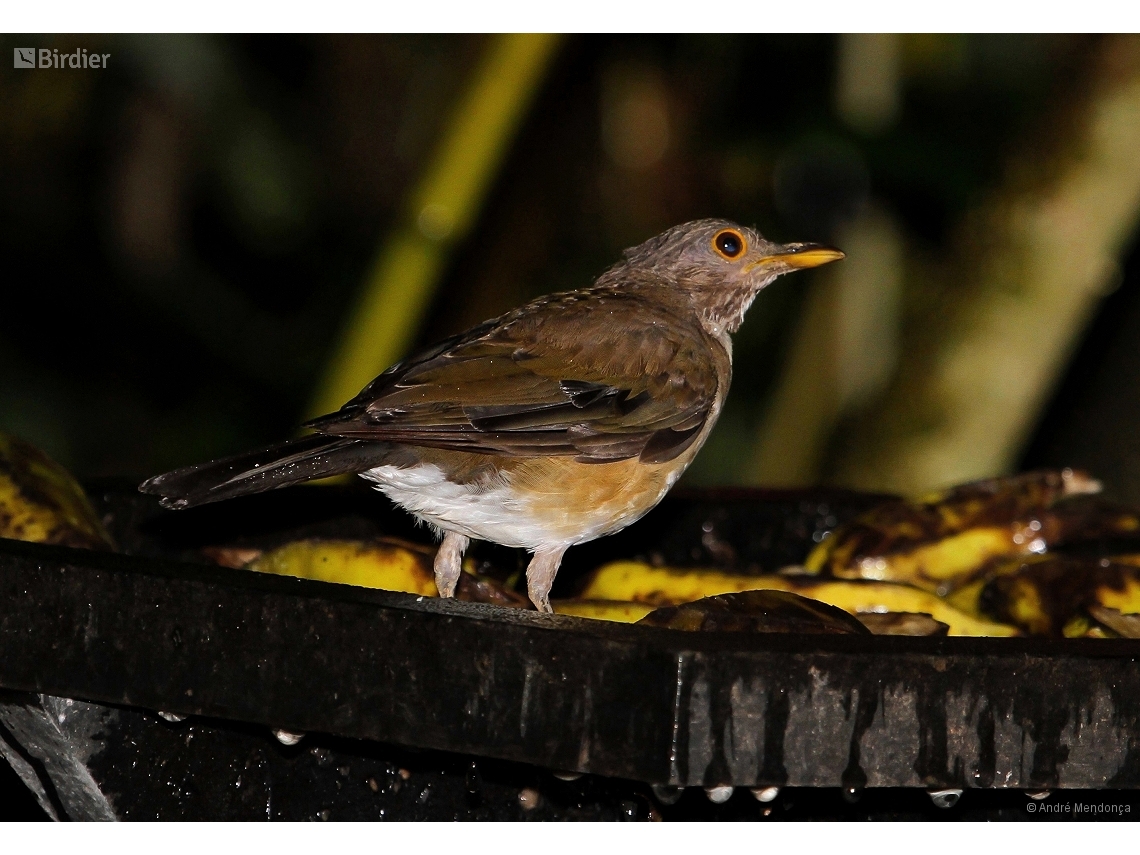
[40, 501]
[1045, 594]
[757, 611]
[940, 541]
[636, 581]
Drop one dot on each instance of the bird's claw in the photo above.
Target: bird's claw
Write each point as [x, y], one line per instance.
[449, 563]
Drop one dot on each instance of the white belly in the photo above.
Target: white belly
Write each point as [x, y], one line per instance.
[485, 511]
[492, 509]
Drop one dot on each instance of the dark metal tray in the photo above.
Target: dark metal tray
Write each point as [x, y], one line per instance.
[142, 632]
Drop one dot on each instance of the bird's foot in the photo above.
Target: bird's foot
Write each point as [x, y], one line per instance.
[541, 601]
[540, 577]
[449, 563]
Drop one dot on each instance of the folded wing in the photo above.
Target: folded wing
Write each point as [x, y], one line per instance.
[587, 374]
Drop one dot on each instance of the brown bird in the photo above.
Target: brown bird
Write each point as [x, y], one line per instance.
[559, 422]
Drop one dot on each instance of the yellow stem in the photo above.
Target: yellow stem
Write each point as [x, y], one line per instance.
[442, 210]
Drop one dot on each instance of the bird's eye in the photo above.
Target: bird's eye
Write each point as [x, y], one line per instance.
[729, 243]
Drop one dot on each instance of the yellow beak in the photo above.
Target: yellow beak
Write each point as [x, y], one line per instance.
[800, 256]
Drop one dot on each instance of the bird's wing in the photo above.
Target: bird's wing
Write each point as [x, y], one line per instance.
[589, 375]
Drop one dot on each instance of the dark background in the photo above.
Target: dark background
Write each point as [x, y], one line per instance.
[184, 233]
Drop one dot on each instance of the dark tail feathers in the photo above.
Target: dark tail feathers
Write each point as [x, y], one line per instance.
[304, 459]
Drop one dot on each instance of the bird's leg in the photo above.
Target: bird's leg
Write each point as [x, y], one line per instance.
[540, 576]
[449, 563]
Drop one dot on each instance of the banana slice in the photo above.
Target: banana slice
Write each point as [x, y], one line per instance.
[757, 612]
[941, 541]
[622, 612]
[352, 562]
[40, 501]
[660, 586]
[1052, 594]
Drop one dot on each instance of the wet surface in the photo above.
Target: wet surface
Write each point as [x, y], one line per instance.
[360, 671]
[207, 769]
[149, 769]
[657, 705]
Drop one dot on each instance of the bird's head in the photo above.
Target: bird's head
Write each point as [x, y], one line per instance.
[722, 266]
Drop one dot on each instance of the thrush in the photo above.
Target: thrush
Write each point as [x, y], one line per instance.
[559, 422]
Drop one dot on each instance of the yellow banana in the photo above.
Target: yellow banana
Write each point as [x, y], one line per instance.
[42, 503]
[350, 562]
[390, 565]
[1052, 594]
[639, 582]
[941, 541]
[622, 612]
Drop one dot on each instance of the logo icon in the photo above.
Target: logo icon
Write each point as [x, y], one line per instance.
[25, 57]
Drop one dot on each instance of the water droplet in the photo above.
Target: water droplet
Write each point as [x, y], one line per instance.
[473, 784]
[718, 795]
[851, 795]
[172, 717]
[666, 794]
[765, 794]
[287, 737]
[529, 798]
[1038, 795]
[946, 798]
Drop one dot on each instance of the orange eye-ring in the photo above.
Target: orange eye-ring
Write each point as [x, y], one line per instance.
[729, 244]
